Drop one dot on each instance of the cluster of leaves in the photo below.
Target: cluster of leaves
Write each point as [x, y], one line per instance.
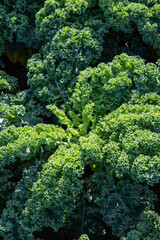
[52, 72]
[101, 90]
[96, 169]
[50, 187]
[8, 114]
[130, 15]
[21, 148]
[52, 195]
[148, 228]
[19, 23]
[7, 83]
[72, 42]
[16, 107]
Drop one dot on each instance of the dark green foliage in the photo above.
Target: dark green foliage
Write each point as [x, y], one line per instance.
[80, 148]
[53, 71]
[19, 109]
[122, 149]
[73, 42]
[148, 227]
[7, 83]
[52, 195]
[122, 204]
[9, 113]
[57, 14]
[22, 148]
[129, 15]
[2, 15]
[20, 22]
[54, 14]
[127, 148]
